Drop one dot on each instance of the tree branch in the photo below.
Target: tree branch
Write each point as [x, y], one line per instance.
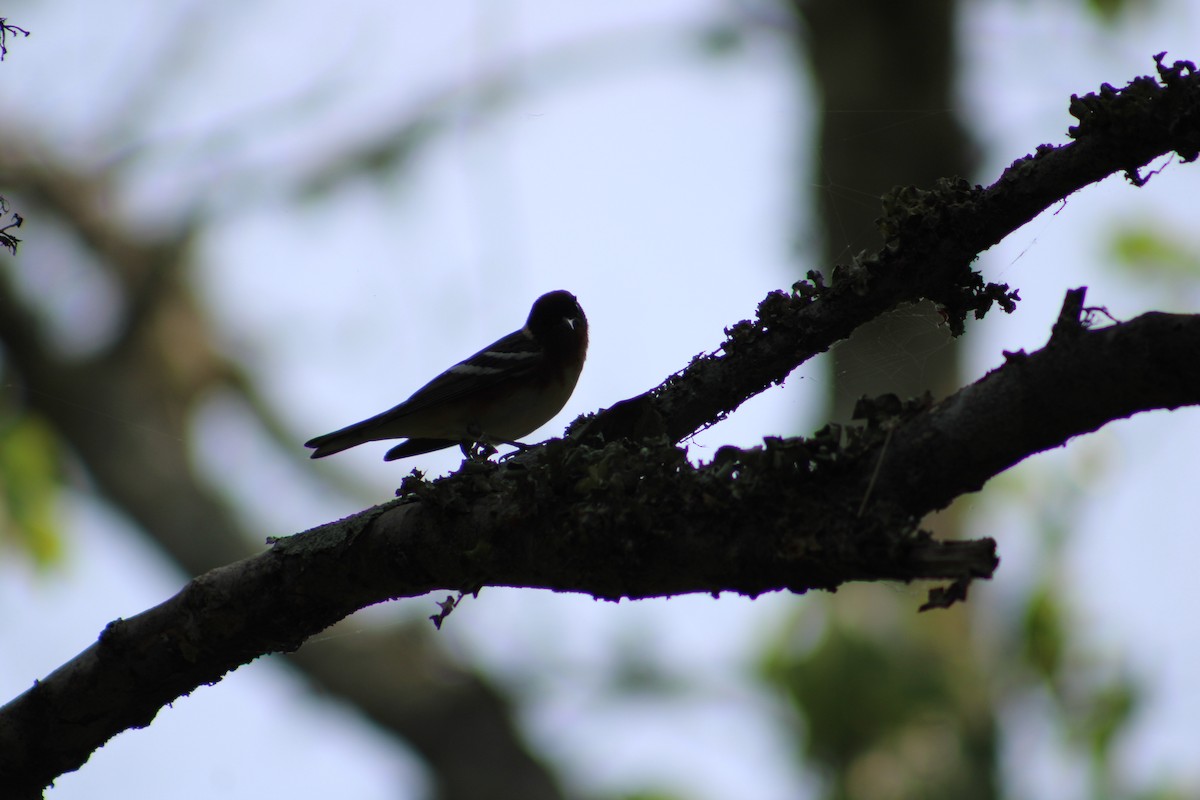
[617, 511]
[7, 28]
[7, 240]
[931, 239]
[625, 520]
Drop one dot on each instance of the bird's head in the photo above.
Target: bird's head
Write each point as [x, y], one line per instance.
[557, 322]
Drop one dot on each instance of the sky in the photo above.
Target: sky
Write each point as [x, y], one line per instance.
[650, 185]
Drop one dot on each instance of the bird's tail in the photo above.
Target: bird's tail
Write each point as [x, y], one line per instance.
[416, 447]
[344, 439]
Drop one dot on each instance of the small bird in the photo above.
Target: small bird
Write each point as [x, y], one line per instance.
[505, 391]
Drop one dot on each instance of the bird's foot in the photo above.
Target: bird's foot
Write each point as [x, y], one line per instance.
[477, 451]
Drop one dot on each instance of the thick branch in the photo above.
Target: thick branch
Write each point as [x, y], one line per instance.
[1073, 386]
[932, 237]
[624, 520]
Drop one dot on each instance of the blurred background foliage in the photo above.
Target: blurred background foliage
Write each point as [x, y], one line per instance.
[30, 479]
[877, 701]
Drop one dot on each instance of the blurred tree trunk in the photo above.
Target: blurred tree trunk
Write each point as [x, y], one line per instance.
[884, 75]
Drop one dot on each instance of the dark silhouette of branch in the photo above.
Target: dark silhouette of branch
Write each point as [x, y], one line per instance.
[7, 29]
[931, 239]
[616, 510]
[625, 520]
[7, 240]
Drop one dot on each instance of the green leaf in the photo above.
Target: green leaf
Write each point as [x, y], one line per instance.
[1109, 713]
[1149, 252]
[1044, 635]
[29, 487]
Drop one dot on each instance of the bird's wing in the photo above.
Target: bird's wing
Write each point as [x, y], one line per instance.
[512, 356]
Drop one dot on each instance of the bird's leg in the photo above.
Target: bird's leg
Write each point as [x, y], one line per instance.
[476, 448]
[521, 448]
[476, 451]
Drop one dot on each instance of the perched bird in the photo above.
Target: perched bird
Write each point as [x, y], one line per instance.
[505, 391]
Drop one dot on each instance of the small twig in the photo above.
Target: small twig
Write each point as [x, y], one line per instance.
[446, 606]
[5, 30]
[1135, 177]
[946, 596]
[7, 240]
[1090, 312]
[1069, 321]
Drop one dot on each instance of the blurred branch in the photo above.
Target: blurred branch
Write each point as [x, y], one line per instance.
[495, 87]
[164, 59]
[146, 271]
[391, 144]
[460, 723]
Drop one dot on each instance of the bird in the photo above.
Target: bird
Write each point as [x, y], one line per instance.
[504, 392]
